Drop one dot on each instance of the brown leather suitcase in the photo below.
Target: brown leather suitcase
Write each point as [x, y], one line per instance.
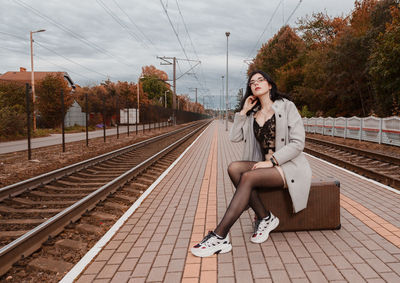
[322, 212]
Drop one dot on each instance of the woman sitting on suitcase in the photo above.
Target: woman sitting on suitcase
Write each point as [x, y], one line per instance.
[273, 135]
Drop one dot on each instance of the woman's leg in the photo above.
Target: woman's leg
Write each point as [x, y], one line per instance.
[235, 171]
[263, 177]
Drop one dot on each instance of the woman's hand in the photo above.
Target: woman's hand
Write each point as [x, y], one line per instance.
[248, 104]
[262, 164]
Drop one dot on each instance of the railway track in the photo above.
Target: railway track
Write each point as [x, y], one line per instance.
[64, 212]
[383, 168]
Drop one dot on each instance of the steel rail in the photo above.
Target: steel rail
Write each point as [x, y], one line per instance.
[374, 155]
[384, 178]
[33, 239]
[20, 187]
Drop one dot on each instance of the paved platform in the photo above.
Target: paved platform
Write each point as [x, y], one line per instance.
[153, 244]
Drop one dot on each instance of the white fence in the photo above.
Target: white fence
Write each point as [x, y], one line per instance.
[380, 130]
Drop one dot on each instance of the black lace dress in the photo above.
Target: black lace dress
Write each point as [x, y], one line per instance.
[265, 135]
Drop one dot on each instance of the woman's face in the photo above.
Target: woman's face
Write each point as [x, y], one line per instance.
[259, 85]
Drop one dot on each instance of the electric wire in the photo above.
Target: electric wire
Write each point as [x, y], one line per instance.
[58, 54]
[44, 60]
[70, 32]
[121, 23]
[137, 27]
[177, 36]
[194, 49]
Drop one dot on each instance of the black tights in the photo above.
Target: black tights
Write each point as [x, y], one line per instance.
[246, 182]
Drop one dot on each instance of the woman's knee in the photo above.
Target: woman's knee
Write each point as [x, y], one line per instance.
[233, 168]
[247, 178]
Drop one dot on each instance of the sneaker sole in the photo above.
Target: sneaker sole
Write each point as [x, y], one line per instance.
[262, 240]
[200, 253]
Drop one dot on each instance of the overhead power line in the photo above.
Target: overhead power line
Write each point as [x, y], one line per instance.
[72, 33]
[137, 27]
[58, 54]
[179, 40]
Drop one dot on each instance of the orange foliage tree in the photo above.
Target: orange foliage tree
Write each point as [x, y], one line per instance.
[48, 93]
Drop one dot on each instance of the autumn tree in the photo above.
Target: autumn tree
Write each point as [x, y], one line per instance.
[48, 93]
[12, 109]
[154, 84]
[385, 66]
[282, 49]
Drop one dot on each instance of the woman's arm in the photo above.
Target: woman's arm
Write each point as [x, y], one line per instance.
[296, 137]
[236, 132]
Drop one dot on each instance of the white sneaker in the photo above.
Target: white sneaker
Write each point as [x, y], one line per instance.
[263, 227]
[212, 244]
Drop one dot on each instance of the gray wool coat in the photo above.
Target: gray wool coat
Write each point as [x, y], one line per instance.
[289, 144]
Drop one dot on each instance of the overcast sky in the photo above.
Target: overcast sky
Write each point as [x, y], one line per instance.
[94, 40]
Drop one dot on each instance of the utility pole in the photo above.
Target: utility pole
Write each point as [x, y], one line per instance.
[167, 61]
[33, 79]
[226, 123]
[195, 89]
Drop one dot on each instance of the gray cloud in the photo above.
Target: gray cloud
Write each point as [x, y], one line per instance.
[115, 52]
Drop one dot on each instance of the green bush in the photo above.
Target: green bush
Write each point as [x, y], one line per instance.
[12, 123]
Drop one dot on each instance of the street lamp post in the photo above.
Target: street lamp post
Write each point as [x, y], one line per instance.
[222, 99]
[226, 123]
[137, 98]
[33, 79]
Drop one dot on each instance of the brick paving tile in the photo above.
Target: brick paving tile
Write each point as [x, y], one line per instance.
[101, 280]
[321, 259]
[161, 260]
[137, 280]
[105, 255]
[241, 263]
[121, 277]
[299, 280]
[86, 278]
[395, 267]
[135, 252]
[331, 273]
[225, 269]
[390, 277]
[316, 276]
[95, 267]
[376, 280]
[226, 279]
[256, 257]
[208, 276]
[260, 270]
[173, 277]
[128, 264]
[117, 258]
[141, 270]
[308, 264]
[176, 265]
[366, 271]
[340, 262]
[147, 257]
[157, 274]
[294, 270]
[288, 257]
[114, 244]
[274, 263]
[279, 276]
[124, 247]
[192, 270]
[243, 275]
[108, 271]
[209, 263]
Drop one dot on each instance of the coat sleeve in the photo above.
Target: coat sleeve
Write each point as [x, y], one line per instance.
[296, 136]
[236, 132]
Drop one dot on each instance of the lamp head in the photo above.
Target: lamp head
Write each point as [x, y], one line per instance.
[227, 33]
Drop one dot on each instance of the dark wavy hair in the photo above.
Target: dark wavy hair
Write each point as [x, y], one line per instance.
[274, 94]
